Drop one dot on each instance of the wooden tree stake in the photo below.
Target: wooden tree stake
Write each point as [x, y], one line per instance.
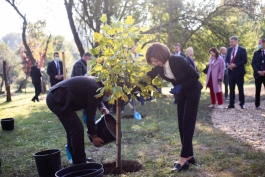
[64, 68]
[118, 134]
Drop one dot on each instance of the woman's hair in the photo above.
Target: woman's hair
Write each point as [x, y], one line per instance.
[214, 50]
[189, 49]
[159, 51]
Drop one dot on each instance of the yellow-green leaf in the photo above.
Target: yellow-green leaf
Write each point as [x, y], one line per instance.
[129, 20]
[111, 32]
[98, 67]
[103, 18]
[97, 36]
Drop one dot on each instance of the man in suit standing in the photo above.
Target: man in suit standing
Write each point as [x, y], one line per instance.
[258, 65]
[36, 81]
[235, 61]
[55, 70]
[80, 66]
[223, 52]
[177, 50]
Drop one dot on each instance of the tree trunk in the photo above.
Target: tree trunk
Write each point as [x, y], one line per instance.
[2, 83]
[118, 134]
[24, 30]
[69, 7]
[22, 85]
[8, 93]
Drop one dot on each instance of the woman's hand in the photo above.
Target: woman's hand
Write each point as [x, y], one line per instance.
[219, 81]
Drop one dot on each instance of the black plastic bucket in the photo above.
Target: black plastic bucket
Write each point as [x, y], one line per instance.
[7, 124]
[106, 128]
[48, 162]
[82, 170]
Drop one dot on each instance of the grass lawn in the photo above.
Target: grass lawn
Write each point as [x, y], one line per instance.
[154, 141]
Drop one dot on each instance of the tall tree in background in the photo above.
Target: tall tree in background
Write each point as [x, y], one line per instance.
[88, 13]
[24, 29]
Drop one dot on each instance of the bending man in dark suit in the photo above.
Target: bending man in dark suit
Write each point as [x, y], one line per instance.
[55, 70]
[235, 61]
[69, 96]
[258, 65]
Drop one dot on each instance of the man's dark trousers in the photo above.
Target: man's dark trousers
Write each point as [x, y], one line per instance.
[258, 83]
[37, 87]
[74, 129]
[239, 81]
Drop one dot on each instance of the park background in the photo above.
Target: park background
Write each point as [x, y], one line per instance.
[154, 141]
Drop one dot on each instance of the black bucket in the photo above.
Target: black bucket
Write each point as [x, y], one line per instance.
[106, 128]
[82, 170]
[48, 162]
[7, 124]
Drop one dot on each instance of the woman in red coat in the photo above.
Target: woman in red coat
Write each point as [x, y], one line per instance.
[215, 77]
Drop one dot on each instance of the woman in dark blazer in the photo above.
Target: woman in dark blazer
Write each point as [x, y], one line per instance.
[184, 78]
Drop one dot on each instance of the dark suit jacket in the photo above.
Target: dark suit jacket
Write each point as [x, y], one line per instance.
[52, 72]
[79, 68]
[184, 74]
[182, 54]
[240, 61]
[256, 62]
[79, 93]
[35, 75]
[191, 62]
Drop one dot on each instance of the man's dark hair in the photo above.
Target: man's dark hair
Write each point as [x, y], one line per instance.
[233, 38]
[177, 44]
[87, 54]
[262, 40]
[55, 53]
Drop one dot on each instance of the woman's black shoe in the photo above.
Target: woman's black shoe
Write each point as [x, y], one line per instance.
[179, 168]
[191, 161]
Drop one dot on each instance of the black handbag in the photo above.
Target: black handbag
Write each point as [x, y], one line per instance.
[205, 70]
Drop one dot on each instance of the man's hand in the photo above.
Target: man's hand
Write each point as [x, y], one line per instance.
[104, 111]
[231, 66]
[59, 77]
[98, 142]
[261, 73]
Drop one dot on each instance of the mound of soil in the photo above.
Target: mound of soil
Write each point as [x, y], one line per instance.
[128, 166]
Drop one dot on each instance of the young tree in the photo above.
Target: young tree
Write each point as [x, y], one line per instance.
[117, 67]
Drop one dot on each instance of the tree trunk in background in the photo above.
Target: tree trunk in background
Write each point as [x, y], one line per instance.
[24, 30]
[169, 29]
[22, 85]
[8, 93]
[69, 8]
[2, 83]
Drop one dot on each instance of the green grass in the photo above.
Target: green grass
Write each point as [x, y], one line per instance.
[154, 141]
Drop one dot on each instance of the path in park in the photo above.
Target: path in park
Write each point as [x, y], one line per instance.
[247, 125]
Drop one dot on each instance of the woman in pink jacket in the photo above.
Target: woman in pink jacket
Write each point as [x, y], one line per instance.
[215, 77]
